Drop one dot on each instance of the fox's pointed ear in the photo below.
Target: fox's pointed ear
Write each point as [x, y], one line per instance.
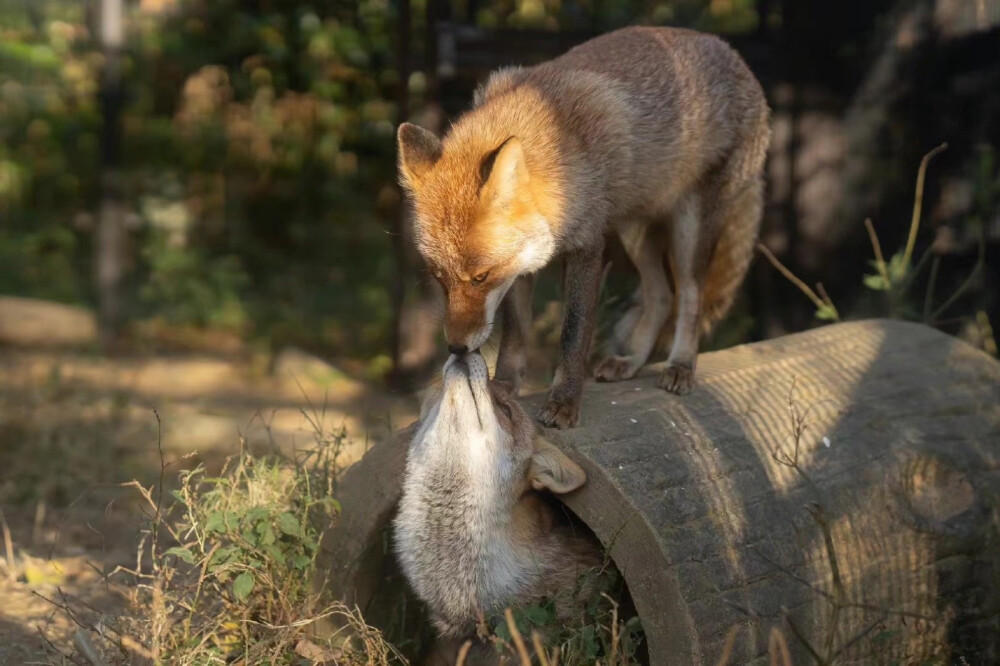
[419, 149]
[551, 469]
[504, 170]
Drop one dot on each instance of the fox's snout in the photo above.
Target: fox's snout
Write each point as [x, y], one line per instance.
[465, 332]
[466, 371]
[469, 319]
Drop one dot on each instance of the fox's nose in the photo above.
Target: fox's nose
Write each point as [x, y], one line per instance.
[458, 350]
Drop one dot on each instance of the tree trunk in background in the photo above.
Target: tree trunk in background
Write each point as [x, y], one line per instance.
[110, 241]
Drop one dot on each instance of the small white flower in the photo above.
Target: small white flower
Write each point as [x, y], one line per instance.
[826, 442]
[614, 402]
[633, 420]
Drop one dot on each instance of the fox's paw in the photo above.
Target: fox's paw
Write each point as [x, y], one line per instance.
[560, 412]
[677, 379]
[614, 369]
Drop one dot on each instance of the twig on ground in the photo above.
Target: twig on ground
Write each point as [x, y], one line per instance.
[543, 656]
[778, 646]
[802, 639]
[727, 647]
[839, 591]
[463, 653]
[515, 634]
[877, 248]
[821, 304]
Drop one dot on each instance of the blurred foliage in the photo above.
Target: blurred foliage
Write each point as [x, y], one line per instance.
[258, 153]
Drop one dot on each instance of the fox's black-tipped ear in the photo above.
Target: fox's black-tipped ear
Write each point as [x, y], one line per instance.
[419, 149]
[552, 470]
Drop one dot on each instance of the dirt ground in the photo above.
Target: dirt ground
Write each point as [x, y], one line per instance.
[74, 426]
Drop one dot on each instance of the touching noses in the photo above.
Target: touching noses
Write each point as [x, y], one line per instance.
[458, 350]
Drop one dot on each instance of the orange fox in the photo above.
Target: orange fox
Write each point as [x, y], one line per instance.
[658, 134]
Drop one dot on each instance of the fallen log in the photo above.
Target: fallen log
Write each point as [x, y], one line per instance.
[840, 486]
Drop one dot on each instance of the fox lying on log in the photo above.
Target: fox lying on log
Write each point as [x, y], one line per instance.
[474, 534]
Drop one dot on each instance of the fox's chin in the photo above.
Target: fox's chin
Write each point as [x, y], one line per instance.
[480, 338]
[465, 388]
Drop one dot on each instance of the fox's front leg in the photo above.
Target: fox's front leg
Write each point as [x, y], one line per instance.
[582, 284]
[515, 313]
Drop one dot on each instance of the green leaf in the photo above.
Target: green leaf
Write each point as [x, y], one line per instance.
[182, 553]
[275, 553]
[538, 615]
[243, 585]
[826, 313]
[502, 631]
[288, 524]
[301, 561]
[897, 268]
[216, 522]
[256, 514]
[876, 283]
[222, 557]
[219, 480]
[267, 536]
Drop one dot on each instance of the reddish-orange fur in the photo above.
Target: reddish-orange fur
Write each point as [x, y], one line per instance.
[639, 129]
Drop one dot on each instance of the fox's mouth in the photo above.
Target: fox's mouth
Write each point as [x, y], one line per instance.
[467, 375]
[471, 366]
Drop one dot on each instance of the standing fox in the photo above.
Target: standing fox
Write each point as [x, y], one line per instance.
[659, 134]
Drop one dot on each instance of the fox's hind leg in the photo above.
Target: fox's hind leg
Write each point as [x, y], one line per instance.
[712, 241]
[512, 364]
[637, 333]
[692, 240]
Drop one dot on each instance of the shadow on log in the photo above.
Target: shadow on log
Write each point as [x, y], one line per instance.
[841, 485]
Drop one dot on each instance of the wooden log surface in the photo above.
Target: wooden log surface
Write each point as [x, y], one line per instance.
[870, 448]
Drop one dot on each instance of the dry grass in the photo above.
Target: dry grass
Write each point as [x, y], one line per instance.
[895, 277]
[222, 572]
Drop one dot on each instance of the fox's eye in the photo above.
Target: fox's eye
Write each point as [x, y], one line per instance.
[481, 278]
